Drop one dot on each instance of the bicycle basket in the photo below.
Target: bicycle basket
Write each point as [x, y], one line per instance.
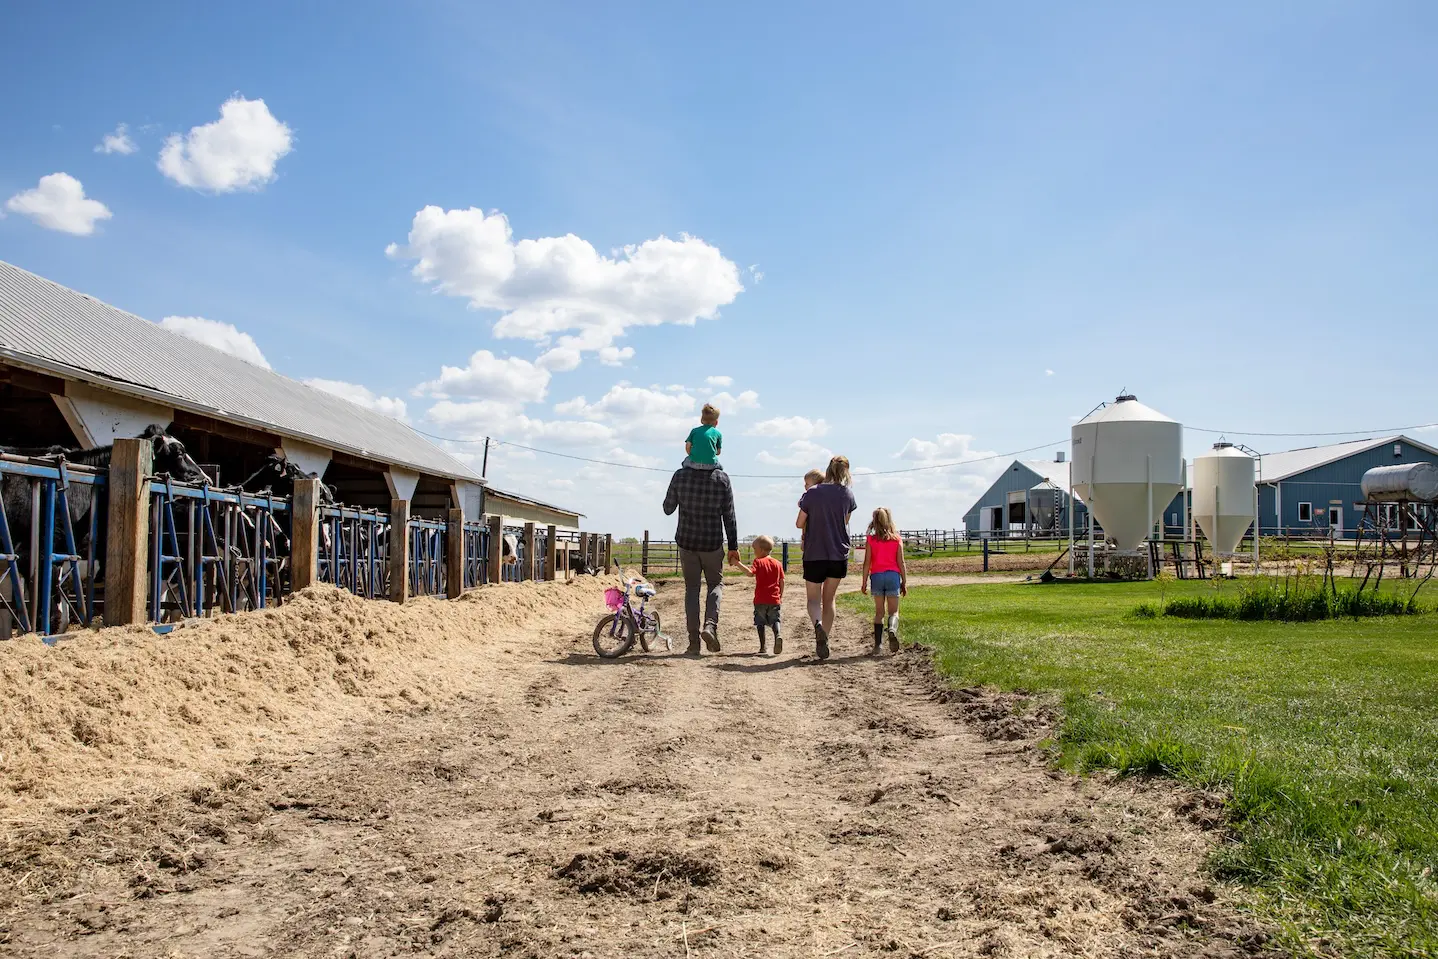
[614, 598]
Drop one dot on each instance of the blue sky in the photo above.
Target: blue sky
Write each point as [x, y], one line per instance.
[1227, 209]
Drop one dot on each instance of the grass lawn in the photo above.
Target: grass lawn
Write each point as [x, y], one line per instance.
[1325, 734]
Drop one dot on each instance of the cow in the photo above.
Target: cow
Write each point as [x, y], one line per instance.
[278, 476]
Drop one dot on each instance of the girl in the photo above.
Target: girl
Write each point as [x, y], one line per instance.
[885, 575]
[824, 512]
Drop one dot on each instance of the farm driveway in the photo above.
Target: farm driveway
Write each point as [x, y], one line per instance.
[655, 806]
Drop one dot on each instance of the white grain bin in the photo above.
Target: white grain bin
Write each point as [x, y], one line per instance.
[1127, 466]
[1223, 496]
[1411, 482]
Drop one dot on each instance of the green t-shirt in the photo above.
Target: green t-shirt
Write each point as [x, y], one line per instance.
[705, 442]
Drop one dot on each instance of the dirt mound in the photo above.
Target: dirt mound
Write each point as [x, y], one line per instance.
[123, 709]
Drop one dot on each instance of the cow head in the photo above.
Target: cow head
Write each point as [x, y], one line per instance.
[170, 457]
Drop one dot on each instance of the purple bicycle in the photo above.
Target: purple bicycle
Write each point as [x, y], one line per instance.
[615, 633]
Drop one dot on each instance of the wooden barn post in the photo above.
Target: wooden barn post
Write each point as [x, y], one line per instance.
[584, 549]
[305, 534]
[551, 555]
[399, 550]
[608, 552]
[644, 556]
[454, 555]
[127, 545]
[528, 565]
[495, 573]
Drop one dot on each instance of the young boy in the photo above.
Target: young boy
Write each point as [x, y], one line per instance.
[768, 591]
[811, 479]
[705, 442]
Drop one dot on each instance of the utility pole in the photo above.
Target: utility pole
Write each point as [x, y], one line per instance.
[484, 467]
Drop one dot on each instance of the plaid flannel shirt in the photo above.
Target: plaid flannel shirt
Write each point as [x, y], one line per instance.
[706, 509]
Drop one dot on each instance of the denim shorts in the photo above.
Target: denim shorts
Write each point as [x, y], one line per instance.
[884, 584]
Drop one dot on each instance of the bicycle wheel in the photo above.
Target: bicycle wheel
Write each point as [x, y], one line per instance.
[649, 639]
[613, 636]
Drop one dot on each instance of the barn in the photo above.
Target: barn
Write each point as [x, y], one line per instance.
[76, 372]
[1316, 490]
[518, 510]
[1030, 498]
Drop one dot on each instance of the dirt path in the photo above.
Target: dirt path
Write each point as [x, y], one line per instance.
[656, 806]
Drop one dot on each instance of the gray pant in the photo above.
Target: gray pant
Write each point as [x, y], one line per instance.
[711, 564]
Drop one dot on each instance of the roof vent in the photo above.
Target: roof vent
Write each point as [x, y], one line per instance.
[1223, 445]
[1059, 456]
[1397, 449]
[1125, 398]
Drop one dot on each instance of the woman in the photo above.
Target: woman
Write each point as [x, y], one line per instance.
[824, 512]
[885, 575]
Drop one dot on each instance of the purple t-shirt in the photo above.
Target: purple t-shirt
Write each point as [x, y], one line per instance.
[826, 536]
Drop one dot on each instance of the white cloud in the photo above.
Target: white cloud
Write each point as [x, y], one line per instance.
[117, 142]
[789, 427]
[621, 455]
[756, 273]
[58, 202]
[615, 356]
[561, 285]
[627, 402]
[560, 359]
[728, 403]
[480, 418]
[946, 447]
[509, 380]
[222, 336]
[362, 396]
[805, 453]
[236, 152]
[719, 381]
[1048, 372]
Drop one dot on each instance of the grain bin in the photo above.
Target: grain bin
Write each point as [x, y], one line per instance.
[1223, 496]
[1127, 466]
[1402, 482]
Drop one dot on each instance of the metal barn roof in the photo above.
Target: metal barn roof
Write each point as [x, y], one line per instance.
[531, 501]
[56, 330]
[1280, 466]
[1051, 472]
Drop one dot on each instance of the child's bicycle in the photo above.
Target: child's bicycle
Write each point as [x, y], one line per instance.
[615, 634]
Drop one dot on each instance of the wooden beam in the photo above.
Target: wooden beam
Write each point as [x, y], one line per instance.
[608, 552]
[304, 542]
[496, 549]
[358, 462]
[551, 554]
[243, 434]
[528, 565]
[454, 555]
[128, 539]
[38, 382]
[399, 550]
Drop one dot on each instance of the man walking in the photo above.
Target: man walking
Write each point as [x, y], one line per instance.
[706, 519]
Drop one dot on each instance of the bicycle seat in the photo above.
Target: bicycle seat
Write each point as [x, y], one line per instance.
[644, 590]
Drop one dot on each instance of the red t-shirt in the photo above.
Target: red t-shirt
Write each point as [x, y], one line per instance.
[884, 555]
[768, 581]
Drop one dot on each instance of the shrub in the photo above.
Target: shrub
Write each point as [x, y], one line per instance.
[1294, 600]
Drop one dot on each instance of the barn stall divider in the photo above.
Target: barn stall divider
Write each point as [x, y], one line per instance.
[82, 546]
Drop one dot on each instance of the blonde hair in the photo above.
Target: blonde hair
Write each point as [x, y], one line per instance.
[764, 543]
[882, 525]
[813, 478]
[709, 415]
[838, 471]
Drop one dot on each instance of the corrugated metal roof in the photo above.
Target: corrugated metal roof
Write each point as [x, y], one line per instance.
[59, 330]
[1050, 470]
[531, 501]
[1280, 466]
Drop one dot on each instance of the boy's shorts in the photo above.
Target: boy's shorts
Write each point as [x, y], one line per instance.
[766, 614]
[884, 584]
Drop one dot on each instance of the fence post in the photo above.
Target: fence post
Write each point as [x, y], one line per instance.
[399, 550]
[495, 573]
[784, 552]
[551, 554]
[454, 555]
[644, 556]
[305, 534]
[608, 552]
[127, 545]
[986, 556]
[527, 568]
[584, 549]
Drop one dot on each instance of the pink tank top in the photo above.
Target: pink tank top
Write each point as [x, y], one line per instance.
[883, 555]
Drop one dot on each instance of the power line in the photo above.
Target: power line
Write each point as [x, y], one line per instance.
[1388, 431]
[665, 469]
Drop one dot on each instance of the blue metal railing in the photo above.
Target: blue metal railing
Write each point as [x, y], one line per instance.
[51, 541]
[215, 549]
[476, 554]
[427, 560]
[354, 550]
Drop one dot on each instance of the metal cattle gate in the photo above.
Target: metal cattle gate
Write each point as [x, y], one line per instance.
[354, 550]
[476, 554]
[514, 572]
[427, 566]
[215, 550]
[52, 525]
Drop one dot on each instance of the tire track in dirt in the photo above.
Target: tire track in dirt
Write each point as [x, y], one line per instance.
[655, 806]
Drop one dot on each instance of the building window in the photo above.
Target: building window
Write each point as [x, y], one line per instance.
[1305, 512]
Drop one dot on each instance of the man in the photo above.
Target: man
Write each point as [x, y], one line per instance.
[706, 519]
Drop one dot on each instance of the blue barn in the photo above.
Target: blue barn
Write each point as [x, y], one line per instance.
[1030, 496]
[1316, 491]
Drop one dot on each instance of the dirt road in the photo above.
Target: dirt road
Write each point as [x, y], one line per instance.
[655, 806]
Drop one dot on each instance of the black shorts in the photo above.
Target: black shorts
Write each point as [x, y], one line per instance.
[818, 570]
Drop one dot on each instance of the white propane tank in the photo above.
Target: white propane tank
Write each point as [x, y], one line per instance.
[1416, 482]
[1223, 496]
[1127, 467]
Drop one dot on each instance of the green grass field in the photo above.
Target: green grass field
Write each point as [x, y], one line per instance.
[1324, 733]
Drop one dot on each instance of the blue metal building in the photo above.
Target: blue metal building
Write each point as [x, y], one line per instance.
[1032, 496]
[1316, 491]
